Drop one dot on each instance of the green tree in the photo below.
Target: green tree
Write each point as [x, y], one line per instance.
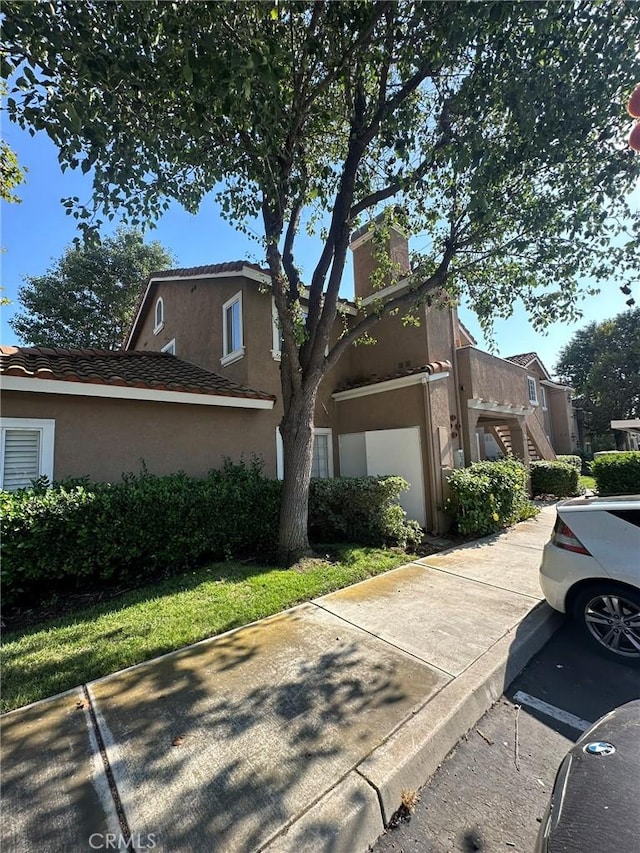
[602, 364]
[11, 174]
[497, 126]
[87, 298]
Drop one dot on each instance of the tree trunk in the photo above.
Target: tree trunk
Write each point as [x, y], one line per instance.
[297, 440]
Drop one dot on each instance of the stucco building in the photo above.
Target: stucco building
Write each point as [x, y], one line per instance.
[198, 380]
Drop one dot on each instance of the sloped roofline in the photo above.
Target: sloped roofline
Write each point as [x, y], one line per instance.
[229, 269]
[108, 373]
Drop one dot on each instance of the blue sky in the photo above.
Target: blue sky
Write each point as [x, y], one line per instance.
[35, 233]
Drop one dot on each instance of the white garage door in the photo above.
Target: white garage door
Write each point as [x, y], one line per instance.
[387, 451]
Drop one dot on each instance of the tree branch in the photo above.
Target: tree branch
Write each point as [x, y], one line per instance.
[437, 279]
[290, 268]
[380, 9]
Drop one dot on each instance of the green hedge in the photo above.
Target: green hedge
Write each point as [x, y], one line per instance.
[554, 478]
[488, 496]
[361, 509]
[76, 535]
[617, 473]
[576, 461]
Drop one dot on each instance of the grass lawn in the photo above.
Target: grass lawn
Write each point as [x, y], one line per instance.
[587, 482]
[138, 625]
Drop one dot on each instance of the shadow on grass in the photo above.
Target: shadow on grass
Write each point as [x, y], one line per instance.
[61, 653]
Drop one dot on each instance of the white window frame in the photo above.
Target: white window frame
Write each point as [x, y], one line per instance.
[227, 356]
[329, 433]
[159, 324]
[531, 382]
[276, 341]
[47, 429]
[276, 345]
[317, 431]
[279, 455]
[170, 347]
[543, 394]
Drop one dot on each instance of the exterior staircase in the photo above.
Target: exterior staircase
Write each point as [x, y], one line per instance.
[502, 435]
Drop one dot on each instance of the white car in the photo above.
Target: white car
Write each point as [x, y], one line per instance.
[591, 570]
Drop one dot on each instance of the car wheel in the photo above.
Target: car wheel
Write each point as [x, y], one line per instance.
[609, 616]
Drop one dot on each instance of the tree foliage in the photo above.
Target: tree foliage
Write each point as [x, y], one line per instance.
[87, 298]
[602, 364]
[11, 174]
[498, 128]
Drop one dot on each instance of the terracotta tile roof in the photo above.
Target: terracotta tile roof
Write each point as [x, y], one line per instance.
[524, 359]
[157, 371]
[208, 269]
[431, 368]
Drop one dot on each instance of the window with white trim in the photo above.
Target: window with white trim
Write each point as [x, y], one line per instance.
[533, 393]
[232, 334]
[276, 350]
[170, 347]
[322, 461]
[543, 396]
[159, 316]
[26, 451]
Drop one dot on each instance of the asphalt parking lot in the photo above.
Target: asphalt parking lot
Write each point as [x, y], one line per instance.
[491, 791]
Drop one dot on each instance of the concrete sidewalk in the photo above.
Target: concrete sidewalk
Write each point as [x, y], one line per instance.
[295, 733]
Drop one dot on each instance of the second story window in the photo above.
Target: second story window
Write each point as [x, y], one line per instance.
[170, 347]
[543, 394]
[533, 394]
[159, 316]
[232, 334]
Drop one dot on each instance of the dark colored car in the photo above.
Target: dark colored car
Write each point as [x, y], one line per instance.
[595, 803]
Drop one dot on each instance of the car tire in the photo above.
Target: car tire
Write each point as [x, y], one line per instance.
[609, 617]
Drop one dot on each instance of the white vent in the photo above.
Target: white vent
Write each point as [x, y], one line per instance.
[21, 458]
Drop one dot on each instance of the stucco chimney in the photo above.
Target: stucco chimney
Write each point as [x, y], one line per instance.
[364, 262]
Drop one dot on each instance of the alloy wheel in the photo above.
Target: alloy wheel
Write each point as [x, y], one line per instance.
[614, 621]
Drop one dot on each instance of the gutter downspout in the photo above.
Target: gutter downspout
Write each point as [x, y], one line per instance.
[431, 460]
[453, 313]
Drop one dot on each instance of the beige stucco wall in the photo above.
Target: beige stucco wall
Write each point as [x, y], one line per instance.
[489, 378]
[193, 317]
[104, 438]
[389, 410]
[424, 406]
[541, 413]
[483, 376]
[562, 420]
[397, 347]
[364, 263]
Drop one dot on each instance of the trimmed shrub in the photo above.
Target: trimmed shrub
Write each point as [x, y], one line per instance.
[77, 534]
[361, 509]
[488, 496]
[576, 461]
[617, 473]
[551, 477]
